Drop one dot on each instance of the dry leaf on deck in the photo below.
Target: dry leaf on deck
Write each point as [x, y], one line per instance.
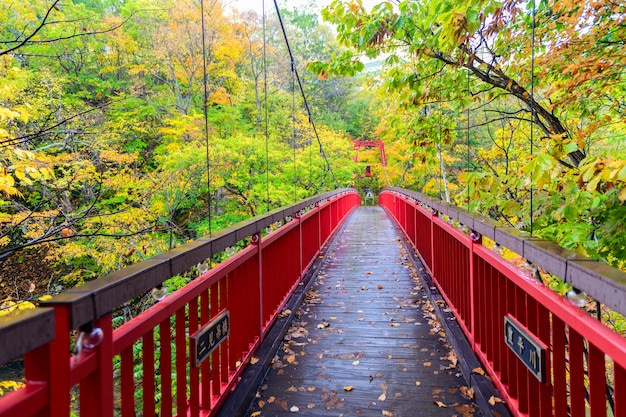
[479, 371]
[493, 400]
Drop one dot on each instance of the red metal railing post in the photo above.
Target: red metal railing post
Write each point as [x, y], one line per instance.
[432, 242]
[298, 218]
[475, 239]
[50, 363]
[60, 365]
[96, 391]
[256, 240]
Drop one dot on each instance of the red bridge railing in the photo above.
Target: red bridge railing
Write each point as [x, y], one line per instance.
[583, 371]
[153, 351]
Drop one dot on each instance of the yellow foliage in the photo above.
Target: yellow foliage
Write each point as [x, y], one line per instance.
[220, 96]
[118, 158]
[9, 306]
[8, 386]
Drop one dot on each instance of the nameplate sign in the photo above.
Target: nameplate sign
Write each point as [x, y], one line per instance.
[205, 340]
[526, 346]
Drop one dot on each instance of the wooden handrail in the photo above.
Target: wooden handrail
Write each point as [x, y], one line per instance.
[99, 297]
[600, 281]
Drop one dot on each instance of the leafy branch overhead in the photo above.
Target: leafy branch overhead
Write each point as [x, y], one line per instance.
[548, 76]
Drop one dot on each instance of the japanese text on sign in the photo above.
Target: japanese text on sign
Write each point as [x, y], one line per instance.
[205, 340]
[528, 348]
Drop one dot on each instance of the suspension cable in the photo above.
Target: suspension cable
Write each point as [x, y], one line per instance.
[306, 103]
[265, 117]
[206, 115]
[532, 107]
[293, 125]
[467, 137]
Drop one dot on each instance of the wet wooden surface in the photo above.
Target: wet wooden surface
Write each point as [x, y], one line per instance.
[366, 340]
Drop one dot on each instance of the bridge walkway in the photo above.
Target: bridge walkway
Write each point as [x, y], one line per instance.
[366, 340]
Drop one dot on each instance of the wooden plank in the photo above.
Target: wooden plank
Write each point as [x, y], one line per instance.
[366, 339]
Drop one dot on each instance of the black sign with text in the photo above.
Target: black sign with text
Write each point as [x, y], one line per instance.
[526, 346]
[205, 340]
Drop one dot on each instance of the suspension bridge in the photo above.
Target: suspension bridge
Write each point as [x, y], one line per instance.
[342, 310]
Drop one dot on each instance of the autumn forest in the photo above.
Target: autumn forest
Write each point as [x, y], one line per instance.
[128, 127]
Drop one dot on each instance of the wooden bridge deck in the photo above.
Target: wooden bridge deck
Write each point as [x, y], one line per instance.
[366, 340]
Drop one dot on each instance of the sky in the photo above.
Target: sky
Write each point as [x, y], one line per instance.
[257, 5]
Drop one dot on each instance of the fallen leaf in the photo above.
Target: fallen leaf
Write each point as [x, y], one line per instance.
[355, 363]
[310, 389]
[427, 363]
[395, 324]
[261, 403]
[479, 371]
[271, 399]
[291, 358]
[294, 409]
[292, 389]
[382, 397]
[493, 400]
[254, 360]
[310, 405]
[255, 414]
[348, 388]
[387, 413]
[466, 410]
[380, 287]
[467, 392]
[418, 383]
[440, 404]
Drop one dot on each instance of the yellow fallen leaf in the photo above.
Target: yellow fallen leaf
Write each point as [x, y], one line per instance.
[382, 397]
[418, 383]
[255, 414]
[387, 413]
[292, 389]
[348, 388]
[479, 371]
[440, 404]
[294, 409]
[427, 363]
[467, 392]
[310, 389]
[310, 405]
[395, 324]
[493, 400]
[254, 360]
